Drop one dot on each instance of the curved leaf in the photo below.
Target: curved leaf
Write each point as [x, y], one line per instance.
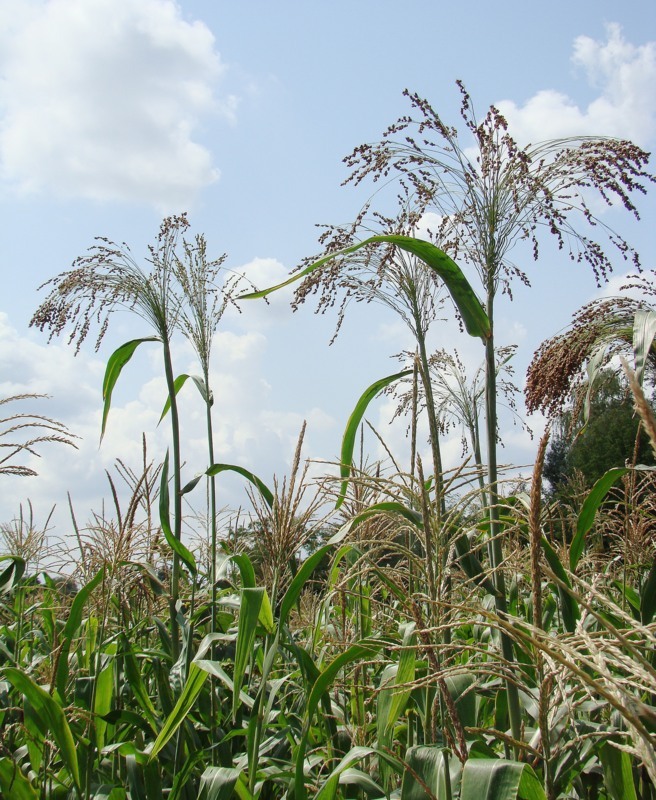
[362, 649]
[348, 440]
[300, 579]
[644, 331]
[386, 507]
[117, 361]
[178, 383]
[569, 608]
[192, 689]
[266, 493]
[218, 783]
[70, 630]
[589, 508]
[11, 574]
[50, 717]
[471, 310]
[498, 779]
[185, 555]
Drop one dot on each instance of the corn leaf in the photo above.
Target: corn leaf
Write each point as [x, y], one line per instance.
[192, 689]
[218, 783]
[429, 772]
[12, 573]
[70, 631]
[348, 440]
[117, 361]
[176, 545]
[644, 331]
[249, 614]
[266, 493]
[469, 306]
[51, 718]
[498, 779]
[178, 383]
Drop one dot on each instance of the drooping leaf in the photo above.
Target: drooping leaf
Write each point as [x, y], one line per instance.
[366, 648]
[498, 779]
[589, 508]
[300, 579]
[469, 306]
[429, 769]
[267, 494]
[344, 773]
[246, 570]
[348, 440]
[12, 573]
[117, 361]
[50, 716]
[185, 555]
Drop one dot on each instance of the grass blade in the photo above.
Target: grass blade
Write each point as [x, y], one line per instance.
[348, 440]
[117, 361]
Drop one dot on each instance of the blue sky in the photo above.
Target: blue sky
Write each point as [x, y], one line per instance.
[114, 112]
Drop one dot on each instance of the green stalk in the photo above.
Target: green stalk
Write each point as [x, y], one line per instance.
[177, 496]
[212, 512]
[494, 544]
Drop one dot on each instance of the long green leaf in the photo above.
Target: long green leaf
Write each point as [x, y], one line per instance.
[137, 686]
[589, 508]
[618, 774]
[471, 310]
[51, 717]
[429, 767]
[267, 494]
[350, 432]
[395, 695]
[185, 555]
[568, 606]
[644, 331]
[218, 783]
[648, 596]
[71, 628]
[117, 361]
[249, 614]
[192, 689]
[343, 773]
[365, 648]
[498, 779]
[300, 579]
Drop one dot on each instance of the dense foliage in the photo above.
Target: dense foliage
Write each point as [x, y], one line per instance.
[385, 632]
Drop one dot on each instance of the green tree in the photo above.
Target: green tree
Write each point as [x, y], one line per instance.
[612, 437]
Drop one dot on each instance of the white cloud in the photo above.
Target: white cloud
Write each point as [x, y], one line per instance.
[101, 98]
[623, 73]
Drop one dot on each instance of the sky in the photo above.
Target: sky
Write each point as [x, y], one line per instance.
[114, 113]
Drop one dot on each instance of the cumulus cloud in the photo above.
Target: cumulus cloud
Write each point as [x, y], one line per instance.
[248, 428]
[624, 75]
[101, 99]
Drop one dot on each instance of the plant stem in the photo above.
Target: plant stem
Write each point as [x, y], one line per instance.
[494, 543]
[177, 497]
